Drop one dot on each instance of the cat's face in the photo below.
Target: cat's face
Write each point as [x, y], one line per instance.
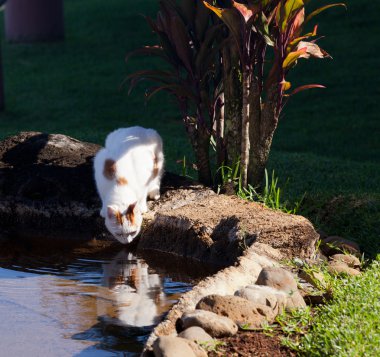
[124, 223]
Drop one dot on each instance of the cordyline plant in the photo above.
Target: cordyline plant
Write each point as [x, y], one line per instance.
[228, 67]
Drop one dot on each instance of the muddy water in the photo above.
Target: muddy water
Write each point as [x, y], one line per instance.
[90, 306]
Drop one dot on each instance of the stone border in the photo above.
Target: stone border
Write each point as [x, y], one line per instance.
[225, 282]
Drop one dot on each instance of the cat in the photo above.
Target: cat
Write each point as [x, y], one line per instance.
[127, 171]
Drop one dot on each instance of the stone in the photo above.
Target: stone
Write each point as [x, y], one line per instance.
[314, 278]
[350, 260]
[282, 280]
[264, 295]
[213, 324]
[169, 346]
[338, 268]
[295, 301]
[47, 189]
[219, 228]
[238, 309]
[196, 334]
[197, 349]
[277, 278]
[337, 245]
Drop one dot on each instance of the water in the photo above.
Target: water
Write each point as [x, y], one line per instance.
[90, 306]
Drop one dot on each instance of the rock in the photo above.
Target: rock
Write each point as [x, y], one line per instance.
[350, 260]
[277, 278]
[337, 245]
[264, 295]
[295, 301]
[341, 268]
[215, 325]
[196, 334]
[282, 280]
[47, 189]
[47, 183]
[314, 278]
[218, 228]
[197, 349]
[238, 309]
[169, 346]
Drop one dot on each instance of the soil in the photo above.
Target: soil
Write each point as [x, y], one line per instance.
[251, 344]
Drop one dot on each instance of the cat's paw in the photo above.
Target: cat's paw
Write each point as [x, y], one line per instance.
[154, 194]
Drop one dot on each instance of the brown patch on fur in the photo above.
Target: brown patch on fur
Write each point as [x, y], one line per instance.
[130, 214]
[133, 279]
[155, 167]
[109, 169]
[122, 181]
[119, 217]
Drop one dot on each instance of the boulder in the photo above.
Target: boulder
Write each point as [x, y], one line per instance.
[238, 309]
[350, 260]
[295, 301]
[337, 245]
[218, 228]
[196, 334]
[213, 324]
[338, 268]
[264, 295]
[47, 189]
[277, 278]
[46, 183]
[169, 346]
[282, 280]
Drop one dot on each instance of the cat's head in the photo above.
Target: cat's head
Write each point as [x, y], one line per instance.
[124, 223]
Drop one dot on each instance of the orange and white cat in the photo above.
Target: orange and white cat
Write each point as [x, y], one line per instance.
[128, 171]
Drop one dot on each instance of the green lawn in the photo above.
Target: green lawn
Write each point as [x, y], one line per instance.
[327, 143]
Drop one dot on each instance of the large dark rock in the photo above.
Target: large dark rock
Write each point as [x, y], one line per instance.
[46, 185]
[47, 189]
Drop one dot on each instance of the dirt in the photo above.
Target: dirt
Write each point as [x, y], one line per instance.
[251, 344]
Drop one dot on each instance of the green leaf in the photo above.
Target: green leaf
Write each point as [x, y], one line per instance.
[323, 8]
[292, 57]
[285, 12]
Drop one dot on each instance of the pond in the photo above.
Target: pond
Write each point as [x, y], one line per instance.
[87, 305]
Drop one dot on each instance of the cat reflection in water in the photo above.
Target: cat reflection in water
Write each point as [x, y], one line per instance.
[127, 172]
[136, 291]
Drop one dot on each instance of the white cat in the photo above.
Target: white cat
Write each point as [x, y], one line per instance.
[127, 171]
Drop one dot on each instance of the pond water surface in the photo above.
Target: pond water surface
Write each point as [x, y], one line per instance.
[103, 306]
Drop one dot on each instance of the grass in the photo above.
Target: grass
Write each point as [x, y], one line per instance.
[347, 326]
[327, 143]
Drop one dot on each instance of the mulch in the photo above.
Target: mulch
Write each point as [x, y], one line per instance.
[251, 344]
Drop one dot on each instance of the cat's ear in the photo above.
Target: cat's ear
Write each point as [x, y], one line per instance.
[111, 211]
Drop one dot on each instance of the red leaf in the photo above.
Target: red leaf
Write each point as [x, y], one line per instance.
[307, 86]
